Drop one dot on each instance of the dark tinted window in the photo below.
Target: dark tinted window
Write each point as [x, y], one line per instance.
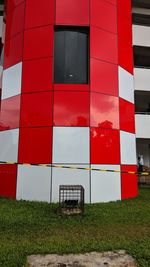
[71, 55]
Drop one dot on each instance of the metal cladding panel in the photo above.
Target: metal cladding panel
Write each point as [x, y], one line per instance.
[99, 19]
[129, 183]
[10, 113]
[103, 183]
[9, 145]
[35, 145]
[38, 15]
[33, 183]
[8, 180]
[72, 12]
[77, 124]
[13, 51]
[15, 21]
[69, 176]
[125, 51]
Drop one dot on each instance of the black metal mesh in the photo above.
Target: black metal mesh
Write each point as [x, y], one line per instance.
[71, 199]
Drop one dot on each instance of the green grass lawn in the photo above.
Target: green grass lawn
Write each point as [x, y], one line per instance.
[32, 228]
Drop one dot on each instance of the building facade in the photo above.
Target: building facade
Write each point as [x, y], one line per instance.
[68, 99]
[141, 48]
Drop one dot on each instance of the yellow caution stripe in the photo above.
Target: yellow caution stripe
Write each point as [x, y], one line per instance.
[74, 168]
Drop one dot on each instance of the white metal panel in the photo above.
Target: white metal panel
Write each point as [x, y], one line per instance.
[105, 186]
[9, 145]
[34, 183]
[128, 148]
[71, 145]
[11, 81]
[70, 177]
[126, 90]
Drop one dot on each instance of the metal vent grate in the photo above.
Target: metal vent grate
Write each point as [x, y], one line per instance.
[71, 199]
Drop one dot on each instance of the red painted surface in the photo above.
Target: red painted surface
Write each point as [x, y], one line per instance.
[99, 71]
[72, 12]
[99, 19]
[13, 51]
[71, 108]
[104, 111]
[125, 51]
[8, 176]
[105, 146]
[39, 14]
[127, 111]
[103, 45]
[129, 185]
[36, 109]
[125, 28]
[33, 40]
[15, 21]
[12, 4]
[10, 113]
[35, 145]
[124, 7]
[37, 75]
[114, 2]
[71, 87]
[126, 56]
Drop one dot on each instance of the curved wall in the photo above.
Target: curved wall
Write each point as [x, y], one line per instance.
[74, 125]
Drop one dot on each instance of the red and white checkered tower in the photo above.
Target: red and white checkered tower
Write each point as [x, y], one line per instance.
[84, 125]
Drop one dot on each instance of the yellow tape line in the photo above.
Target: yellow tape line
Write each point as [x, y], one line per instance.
[76, 168]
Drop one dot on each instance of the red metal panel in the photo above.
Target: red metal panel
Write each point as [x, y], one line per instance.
[114, 2]
[35, 145]
[10, 113]
[125, 28]
[37, 75]
[36, 109]
[39, 14]
[125, 50]
[104, 77]
[12, 4]
[129, 183]
[127, 111]
[71, 108]
[124, 7]
[8, 177]
[104, 45]
[98, 11]
[105, 146]
[15, 21]
[38, 42]
[13, 51]
[126, 56]
[104, 111]
[71, 87]
[72, 12]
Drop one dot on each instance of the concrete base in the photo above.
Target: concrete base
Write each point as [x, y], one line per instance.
[94, 259]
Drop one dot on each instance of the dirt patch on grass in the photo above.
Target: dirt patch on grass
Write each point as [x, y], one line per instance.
[94, 259]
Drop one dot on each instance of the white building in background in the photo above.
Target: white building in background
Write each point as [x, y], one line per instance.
[141, 46]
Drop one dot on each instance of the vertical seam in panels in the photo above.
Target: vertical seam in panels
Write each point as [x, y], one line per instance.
[52, 127]
[117, 12]
[89, 73]
[20, 95]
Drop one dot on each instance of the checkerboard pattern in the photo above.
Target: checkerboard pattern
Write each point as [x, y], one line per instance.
[89, 125]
